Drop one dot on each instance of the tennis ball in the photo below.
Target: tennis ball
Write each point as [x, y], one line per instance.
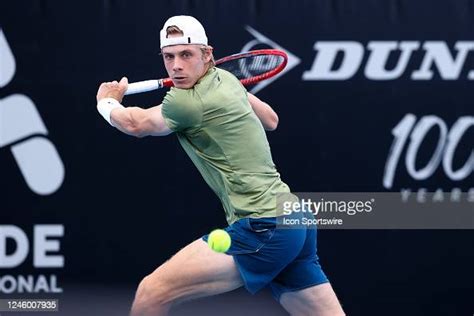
[219, 240]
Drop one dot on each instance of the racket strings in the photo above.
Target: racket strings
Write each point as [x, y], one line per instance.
[252, 66]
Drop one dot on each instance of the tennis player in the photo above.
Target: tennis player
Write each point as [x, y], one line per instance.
[221, 128]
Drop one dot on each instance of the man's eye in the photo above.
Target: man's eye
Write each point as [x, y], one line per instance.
[168, 57]
[186, 55]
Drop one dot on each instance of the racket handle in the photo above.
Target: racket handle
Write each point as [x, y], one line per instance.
[144, 86]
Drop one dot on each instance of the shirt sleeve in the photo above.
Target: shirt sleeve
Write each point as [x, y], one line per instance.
[182, 109]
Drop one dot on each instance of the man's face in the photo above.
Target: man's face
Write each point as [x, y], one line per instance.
[185, 64]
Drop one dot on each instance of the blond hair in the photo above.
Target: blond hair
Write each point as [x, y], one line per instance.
[174, 30]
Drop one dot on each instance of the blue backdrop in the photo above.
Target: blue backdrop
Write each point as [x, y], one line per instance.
[377, 97]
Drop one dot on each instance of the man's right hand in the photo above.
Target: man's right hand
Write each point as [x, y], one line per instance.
[114, 90]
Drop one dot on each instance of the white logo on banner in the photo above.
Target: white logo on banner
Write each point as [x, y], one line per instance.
[7, 61]
[341, 60]
[44, 248]
[411, 134]
[37, 158]
[436, 55]
[445, 150]
[262, 39]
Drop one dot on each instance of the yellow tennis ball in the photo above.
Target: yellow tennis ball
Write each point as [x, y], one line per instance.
[219, 240]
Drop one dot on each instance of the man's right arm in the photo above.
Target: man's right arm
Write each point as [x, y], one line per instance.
[140, 122]
[133, 121]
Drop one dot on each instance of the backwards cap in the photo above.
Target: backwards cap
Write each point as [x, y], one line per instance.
[193, 31]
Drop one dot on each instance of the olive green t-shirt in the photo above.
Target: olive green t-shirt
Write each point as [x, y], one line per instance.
[218, 129]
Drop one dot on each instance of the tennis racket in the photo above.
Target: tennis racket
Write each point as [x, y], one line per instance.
[250, 68]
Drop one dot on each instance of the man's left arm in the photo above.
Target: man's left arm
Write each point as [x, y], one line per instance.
[264, 112]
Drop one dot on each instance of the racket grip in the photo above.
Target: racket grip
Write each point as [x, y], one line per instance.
[144, 86]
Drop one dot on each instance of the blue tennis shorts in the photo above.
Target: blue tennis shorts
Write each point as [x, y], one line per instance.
[267, 254]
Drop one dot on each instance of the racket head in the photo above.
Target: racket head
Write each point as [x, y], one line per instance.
[254, 66]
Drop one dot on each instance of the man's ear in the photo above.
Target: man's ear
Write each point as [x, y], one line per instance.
[207, 56]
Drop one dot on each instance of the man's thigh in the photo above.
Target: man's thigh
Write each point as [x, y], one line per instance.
[318, 300]
[196, 271]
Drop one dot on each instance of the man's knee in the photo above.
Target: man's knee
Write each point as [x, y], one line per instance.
[315, 300]
[152, 292]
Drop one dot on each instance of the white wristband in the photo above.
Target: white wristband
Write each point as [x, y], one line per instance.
[105, 106]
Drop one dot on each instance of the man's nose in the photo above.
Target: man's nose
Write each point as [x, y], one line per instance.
[178, 64]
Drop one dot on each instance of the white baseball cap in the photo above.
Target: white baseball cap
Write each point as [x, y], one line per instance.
[193, 31]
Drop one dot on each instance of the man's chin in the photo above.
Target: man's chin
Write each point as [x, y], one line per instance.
[183, 85]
